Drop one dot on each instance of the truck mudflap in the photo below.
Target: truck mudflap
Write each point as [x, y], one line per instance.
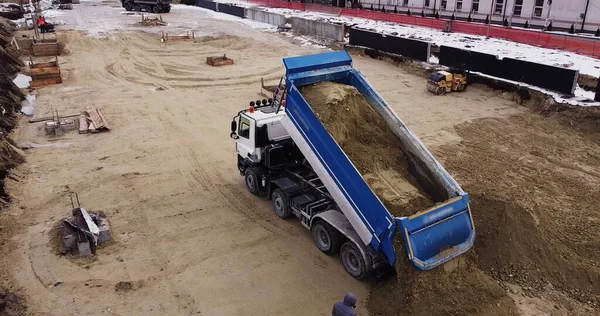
[439, 234]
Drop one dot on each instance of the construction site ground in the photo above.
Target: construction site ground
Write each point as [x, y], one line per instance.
[190, 240]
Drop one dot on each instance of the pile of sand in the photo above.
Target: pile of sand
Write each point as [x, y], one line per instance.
[370, 145]
[458, 289]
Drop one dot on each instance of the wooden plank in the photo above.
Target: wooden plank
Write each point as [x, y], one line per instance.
[44, 65]
[92, 128]
[44, 71]
[83, 124]
[103, 119]
[96, 119]
[44, 82]
[48, 118]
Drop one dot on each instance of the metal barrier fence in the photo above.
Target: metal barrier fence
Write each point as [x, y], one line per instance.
[589, 47]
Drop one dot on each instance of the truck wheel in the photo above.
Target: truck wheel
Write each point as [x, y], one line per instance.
[167, 9]
[251, 177]
[128, 7]
[326, 237]
[149, 8]
[353, 260]
[280, 204]
[155, 9]
[461, 87]
[136, 7]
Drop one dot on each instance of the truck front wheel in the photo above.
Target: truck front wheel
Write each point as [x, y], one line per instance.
[251, 177]
[353, 260]
[128, 6]
[326, 237]
[280, 203]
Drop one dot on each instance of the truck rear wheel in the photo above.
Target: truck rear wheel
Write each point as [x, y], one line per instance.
[167, 9]
[137, 8]
[128, 6]
[149, 8]
[280, 203]
[353, 260]
[155, 9]
[251, 177]
[326, 237]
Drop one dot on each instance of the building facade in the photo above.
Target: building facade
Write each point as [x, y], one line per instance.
[583, 14]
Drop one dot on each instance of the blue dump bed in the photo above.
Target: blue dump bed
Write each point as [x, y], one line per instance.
[432, 236]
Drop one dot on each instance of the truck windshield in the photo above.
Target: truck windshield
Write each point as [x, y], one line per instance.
[244, 127]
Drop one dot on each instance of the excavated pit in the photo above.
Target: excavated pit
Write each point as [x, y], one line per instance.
[370, 144]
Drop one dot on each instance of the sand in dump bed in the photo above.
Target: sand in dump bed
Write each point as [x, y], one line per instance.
[369, 143]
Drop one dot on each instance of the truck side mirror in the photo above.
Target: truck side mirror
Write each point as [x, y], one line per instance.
[234, 135]
[233, 126]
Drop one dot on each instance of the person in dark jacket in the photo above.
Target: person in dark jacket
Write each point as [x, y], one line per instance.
[345, 308]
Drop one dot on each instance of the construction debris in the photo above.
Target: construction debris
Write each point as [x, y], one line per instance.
[219, 61]
[148, 21]
[189, 36]
[58, 126]
[43, 74]
[92, 120]
[84, 231]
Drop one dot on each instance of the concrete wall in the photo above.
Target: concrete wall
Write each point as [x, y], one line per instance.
[266, 17]
[316, 28]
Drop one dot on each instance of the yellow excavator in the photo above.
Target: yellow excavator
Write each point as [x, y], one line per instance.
[441, 82]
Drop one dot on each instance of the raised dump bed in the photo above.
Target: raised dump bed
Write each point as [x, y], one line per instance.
[435, 219]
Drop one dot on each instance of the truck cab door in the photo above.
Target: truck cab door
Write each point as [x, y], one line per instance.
[245, 132]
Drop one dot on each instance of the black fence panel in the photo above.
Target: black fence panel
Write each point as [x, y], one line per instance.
[232, 10]
[390, 44]
[207, 5]
[543, 76]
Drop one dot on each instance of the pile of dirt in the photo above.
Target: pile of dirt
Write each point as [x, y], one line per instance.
[11, 304]
[369, 143]
[538, 220]
[374, 149]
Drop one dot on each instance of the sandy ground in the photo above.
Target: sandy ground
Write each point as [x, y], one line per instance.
[187, 234]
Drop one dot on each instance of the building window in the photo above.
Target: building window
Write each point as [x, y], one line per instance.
[499, 6]
[539, 7]
[427, 3]
[405, 3]
[459, 5]
[518, 7]
[475, 6]
[444, 4]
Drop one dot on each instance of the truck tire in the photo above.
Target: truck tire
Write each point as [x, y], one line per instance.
[461, 87]
[353, 261]
[280, 204]
[128, 6]
[149, 8]
[155, 9]
[137, 7]
[251, 178]
[167, 9]
[326, 237]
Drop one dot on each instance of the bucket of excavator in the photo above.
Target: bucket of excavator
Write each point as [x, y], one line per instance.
[438, 234]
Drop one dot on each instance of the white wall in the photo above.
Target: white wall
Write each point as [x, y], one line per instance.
[563, 12]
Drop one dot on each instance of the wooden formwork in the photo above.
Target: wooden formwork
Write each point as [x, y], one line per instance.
[189, 36]
[45, 47]
[44, 74]
[219, 61]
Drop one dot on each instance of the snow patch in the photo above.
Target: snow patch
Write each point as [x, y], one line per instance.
[22, 81]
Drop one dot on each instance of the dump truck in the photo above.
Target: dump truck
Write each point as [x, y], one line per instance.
[150, 6]
[286, 154]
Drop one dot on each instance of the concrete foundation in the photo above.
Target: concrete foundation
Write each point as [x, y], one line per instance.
[266, 17]
[316, 28]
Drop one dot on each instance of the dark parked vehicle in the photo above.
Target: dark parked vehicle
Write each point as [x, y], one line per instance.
[151, 6]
